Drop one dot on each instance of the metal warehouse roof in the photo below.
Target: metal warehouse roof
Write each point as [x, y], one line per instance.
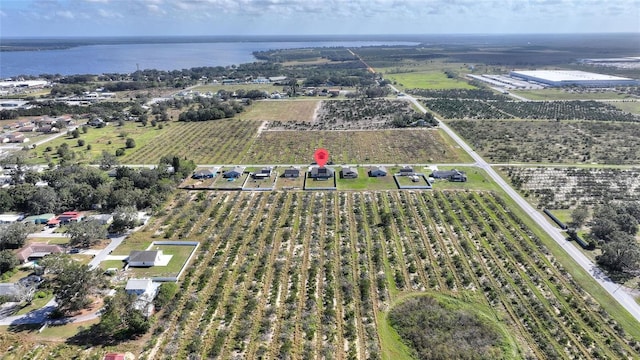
[568, 75]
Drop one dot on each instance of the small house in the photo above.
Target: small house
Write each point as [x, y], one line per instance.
[103, 219]
[264, 173]
[291, 172]
[139, 286]
[451, 175]
[38, 219]
[321, 173]
[69, 217]
[146, 258]
[407, 171]
[234, 173]
[378, 171]
[205, 173]
[348, 172]
[10, 218]
[36, 251]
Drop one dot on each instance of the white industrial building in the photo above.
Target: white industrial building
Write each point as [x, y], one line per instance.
[573, 77]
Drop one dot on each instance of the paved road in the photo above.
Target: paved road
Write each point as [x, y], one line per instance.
[623, 297]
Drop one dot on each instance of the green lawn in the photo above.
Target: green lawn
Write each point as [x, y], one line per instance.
[108, 264]
[108, 138]
[630, 106]
[561, 94]
[477, 179]
[427, 80]
[36, 304]
[392, 346]
[365, 182]
[180, 255]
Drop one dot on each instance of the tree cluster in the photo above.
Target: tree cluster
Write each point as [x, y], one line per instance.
[435, 331]
[211, 109]
[121, 318]
[77, 187]
[615, 227]
[73, 283]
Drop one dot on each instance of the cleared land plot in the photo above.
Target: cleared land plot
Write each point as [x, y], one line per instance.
[311, 275]
[180, 255]
[427, 80]
[365, 182]
[353, 147]
[229, 183]
[416, 180]
[630, 106]
[552, 141]
[281, 110]
[198, 183]
[562, 94]
[561, 188]
[355, 114]
[214, 88]
[290, 183]
[260, 183]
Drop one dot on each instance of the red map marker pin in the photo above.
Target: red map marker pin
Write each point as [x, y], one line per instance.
[321, 156]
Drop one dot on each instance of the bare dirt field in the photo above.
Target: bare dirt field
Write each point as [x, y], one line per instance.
[281, 110]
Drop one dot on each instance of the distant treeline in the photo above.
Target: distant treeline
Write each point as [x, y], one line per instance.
[54, 108]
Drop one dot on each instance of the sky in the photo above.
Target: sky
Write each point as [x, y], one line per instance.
[52, 18]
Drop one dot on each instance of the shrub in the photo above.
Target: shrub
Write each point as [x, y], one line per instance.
[130, 143]
[120, 152]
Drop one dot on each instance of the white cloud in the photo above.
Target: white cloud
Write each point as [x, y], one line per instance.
[107, 14]
[65, 14]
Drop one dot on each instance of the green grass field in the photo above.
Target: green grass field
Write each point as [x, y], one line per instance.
[561, 94]
[281, 110]
[427, 80]
[365, 182]
[180, 255]
[631, 106]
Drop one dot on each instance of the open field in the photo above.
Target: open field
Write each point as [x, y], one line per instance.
[352, 147]
[427, 80]
[312, 274]
[565, 142]
[567, 94]
[281, 110]
[214, 88]
[628, 106]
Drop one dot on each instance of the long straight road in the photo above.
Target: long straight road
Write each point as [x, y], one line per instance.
[624, 298]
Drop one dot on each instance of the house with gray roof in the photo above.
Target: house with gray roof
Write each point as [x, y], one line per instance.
[321, 173]
[451, 175]
[145, 258]
[234, 173]
[205, 173]
[291, 172]
[378, 171]
[407, 171]
[263, 173]
[348, 172]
